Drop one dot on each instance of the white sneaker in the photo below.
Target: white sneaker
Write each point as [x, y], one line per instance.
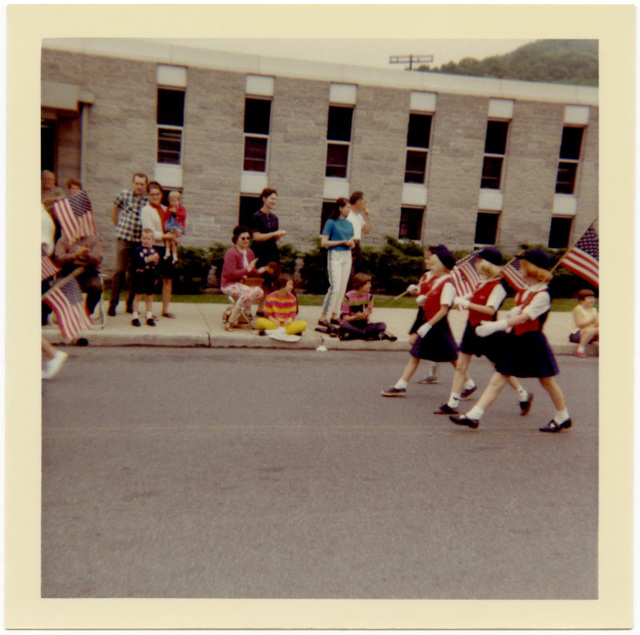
[53, 366]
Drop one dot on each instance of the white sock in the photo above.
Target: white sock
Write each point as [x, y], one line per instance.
[469, 384]
[581, 349]
[454, 400]
[523, 395]
[136, 315]
[149, 315]
[401, 383]
[561, 416]
[475, 413]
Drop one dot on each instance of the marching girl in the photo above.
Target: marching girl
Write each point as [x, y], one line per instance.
[482, 305]
[434, 340]
[526, 350]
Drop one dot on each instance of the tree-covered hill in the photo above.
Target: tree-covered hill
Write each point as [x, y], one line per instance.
[561, 61]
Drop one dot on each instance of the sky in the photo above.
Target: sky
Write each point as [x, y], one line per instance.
[358, 52]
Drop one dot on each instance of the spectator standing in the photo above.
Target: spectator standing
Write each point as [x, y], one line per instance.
[145, 259]
[265, 227]
[152, 217]
[359, 216]
[74, 186]
[49, 191]
[337, 239]
[126, 218]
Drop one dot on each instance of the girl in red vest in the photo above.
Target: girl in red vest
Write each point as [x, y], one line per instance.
[435, 340]
[526, 351]
[483, 305]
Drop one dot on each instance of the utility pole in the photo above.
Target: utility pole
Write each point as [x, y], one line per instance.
[410, 59]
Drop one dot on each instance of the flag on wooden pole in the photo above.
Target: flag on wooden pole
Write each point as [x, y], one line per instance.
[511, 273]
[75, 216]
[464, 276]
[583, 258]
[67, 302]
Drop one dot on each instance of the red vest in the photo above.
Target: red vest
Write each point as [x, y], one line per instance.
[529, 325]
[481, 296]
[432, 304]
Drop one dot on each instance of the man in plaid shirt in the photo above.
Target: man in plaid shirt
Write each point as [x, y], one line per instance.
[126, 218]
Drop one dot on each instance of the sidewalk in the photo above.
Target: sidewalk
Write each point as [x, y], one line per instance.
[201, 325]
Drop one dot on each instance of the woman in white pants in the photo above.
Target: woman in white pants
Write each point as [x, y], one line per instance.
[337, 238]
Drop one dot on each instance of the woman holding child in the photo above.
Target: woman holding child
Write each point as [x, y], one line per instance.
[152, 217]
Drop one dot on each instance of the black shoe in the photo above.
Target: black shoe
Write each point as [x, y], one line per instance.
[445, 409]
[552, 426]
[387, 336]
[324, 323]
[262, 332]
[465, 394]
[394, 392]
[151, 322]
[129, 309]
[82, 341]
[111, 311]
[334, 321]
[463, 420]
[135, 322]
[525, 406]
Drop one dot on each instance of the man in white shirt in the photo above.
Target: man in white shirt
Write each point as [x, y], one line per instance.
[359, 217]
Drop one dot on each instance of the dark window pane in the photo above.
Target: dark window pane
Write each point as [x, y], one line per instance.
[419, 131]
[571, 143]
[560, 232]
[411, 223]
[249, 205]
[169, 142]
[255, 154]
[486, 228]
[566, 180]
[496, 141]
[337, 157]
[416, 167]
[257, 114]
[327, 209]
[48, 145]
[339, 127]
[170, 107]
[491, 173]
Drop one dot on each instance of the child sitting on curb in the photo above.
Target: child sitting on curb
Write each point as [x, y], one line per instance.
[356, 310]
[281, 309]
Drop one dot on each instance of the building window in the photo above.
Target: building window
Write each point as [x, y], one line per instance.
[487, 228]
[170, 122]
[328, 207]
[560, 232]
[339, 139]
[249, 205]
[411, 223]
[257, 118]
[570, 149]
[495, 149]
[418, 137]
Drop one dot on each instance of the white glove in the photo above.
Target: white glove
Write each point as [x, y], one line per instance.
[463, 303]
[424, 329]
[421, 299]
[488, 328]
[413, 288]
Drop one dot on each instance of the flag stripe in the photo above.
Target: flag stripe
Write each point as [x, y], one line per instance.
[583, 258]
[67, 303]
[75, 216]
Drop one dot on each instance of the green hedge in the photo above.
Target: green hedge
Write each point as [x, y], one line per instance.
[393, 267]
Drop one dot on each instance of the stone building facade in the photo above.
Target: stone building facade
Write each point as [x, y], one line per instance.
[459, 160]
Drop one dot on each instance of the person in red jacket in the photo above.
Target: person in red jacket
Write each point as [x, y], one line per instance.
[483, 304]
[526, 350]
[435, 340]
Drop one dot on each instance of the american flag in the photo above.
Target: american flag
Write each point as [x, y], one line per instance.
[582, 259]
[68, 304]
[511, 273]
[75, 216]
[464, 275]
[48, 268]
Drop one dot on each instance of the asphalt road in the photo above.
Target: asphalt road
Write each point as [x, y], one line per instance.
[233, 473]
